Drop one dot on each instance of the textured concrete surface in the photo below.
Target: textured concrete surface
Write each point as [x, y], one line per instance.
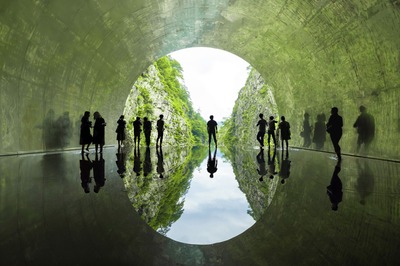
[71, 56]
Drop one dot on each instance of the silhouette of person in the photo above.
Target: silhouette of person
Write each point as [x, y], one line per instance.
[212, 129]
[136, 161]
[271, 164]
[306, 133]
[319, 132]
[271, 130]
[49, 130]
[121, 124]
[160, 162]
[262, 171]
[160, 130]
[334, 190]
[365, 125]
[334, 128]
[99, 131]
[85, 166]
[284, 130]
[137, 129]
[284, 172]
[98, 173]
[262, 126]
[121, 164]
[64, 129]
[212, 163]
[147, 166]
[147, 130]
[85, 137]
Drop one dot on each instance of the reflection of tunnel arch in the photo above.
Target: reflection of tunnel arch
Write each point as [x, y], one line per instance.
[73, 56]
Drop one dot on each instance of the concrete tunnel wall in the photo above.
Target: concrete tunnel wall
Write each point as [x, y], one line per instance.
[71, 56]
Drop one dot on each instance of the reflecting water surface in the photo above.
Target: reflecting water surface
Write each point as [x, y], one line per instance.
[198, 198]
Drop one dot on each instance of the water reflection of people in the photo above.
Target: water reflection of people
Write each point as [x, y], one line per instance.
[121, 164]
[85, 165]
[365, 180]
[319, 132]
[136, 161]
[98, 173]
[160, 162]
[262, 170]
[334, 190]
[271, 163]
[284, 172]
[147, 167]
[365, 125]
[212, 162]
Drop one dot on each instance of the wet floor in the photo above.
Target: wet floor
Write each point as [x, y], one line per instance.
[141, 208]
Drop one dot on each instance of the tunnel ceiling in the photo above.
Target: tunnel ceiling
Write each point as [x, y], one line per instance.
[69, 56]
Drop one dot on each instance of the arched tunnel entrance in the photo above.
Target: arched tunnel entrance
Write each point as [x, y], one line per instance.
[60, 58]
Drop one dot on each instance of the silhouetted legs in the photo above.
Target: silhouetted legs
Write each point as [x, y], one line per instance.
[335, 141]
[213, 136]
[137, 139]
[260, 138]
[96, 147]
[147, 136]
[269, 137]
[87, 147]
[160, 137]
[287, 144]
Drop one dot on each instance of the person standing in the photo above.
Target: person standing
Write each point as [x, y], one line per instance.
[284, 131]
[262, 126]
[147, 130]
[271, 130]
[98, 131]
[137, 129]
[334, 128]
[120, 131]
[85, 136]
[212, 128]
[160, 130]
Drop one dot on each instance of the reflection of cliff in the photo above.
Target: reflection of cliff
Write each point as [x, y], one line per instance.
[258, 194]
[156, 199]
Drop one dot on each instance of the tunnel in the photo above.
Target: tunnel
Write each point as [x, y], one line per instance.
[61, 58]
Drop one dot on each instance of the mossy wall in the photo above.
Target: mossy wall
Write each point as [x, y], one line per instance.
[72, 56]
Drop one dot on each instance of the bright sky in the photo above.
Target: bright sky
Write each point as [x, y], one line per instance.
[213, 78]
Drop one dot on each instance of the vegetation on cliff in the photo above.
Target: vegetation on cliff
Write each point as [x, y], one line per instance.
[160, 90]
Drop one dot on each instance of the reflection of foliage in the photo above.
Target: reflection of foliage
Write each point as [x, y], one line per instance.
[244, 164]
[160, 201]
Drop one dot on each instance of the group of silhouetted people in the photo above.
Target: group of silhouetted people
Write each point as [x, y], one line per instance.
[283, 130]
[86, 138]
[147, 127]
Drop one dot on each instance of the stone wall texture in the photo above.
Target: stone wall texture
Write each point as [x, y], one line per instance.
[61, 58]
